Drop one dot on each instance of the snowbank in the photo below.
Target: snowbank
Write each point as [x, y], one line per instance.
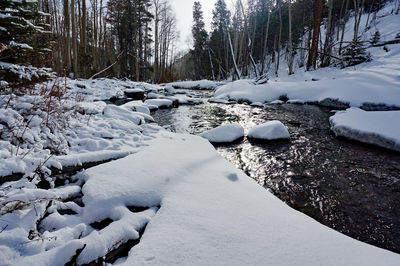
[354, 88]
[269, 131]
[197, 84]
[160, 103]
[211, 213]
[224, 133]
[378, 128]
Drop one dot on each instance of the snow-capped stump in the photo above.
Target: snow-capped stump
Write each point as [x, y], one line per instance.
[380, 128]
[224, 133]
[136, 94]
[271, 130]
[160, 103]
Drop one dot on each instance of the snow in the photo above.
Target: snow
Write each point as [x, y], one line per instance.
[160, 103]
[270, 130]
[211, 213]
[197, 84]
[378, 128]
[134, 90]
[224, 133]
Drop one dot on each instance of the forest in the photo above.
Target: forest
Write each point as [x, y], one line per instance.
[137, 39]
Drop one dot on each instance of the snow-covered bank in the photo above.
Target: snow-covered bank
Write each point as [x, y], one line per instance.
[196, 84]
[378, 128]
[211, 213]
[369, 85]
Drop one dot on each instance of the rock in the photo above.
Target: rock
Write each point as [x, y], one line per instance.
[80, 85]
[334, 103]
[379, 107]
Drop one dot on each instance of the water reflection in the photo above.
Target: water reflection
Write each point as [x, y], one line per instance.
[350, 187]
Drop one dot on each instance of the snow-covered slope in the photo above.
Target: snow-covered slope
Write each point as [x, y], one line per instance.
[375, 82]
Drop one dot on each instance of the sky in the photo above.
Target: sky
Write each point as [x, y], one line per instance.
[183, 10]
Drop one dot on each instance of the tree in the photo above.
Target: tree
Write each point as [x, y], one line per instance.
[24, 33]
[200, 36]
[218, 37]
[355, 53]
[317, 24]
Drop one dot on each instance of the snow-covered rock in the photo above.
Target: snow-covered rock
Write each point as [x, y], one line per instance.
[136, 94]
[160, 103]
[270, 130]
[224, 133]
[137, 106]
[381, 128]
[152, 95]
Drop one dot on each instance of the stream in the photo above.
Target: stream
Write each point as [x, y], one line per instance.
[350, 187]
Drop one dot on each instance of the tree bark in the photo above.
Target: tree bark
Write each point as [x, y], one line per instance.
[314, 45]
[67, 52]
[290, 61]
[74, 40]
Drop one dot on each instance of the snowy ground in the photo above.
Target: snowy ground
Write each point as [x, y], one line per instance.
[200, 210]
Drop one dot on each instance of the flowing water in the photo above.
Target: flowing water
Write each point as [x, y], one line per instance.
[350, 187]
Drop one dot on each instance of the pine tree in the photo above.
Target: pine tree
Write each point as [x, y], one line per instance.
[375, 39]
[23, 33]
[200, 37]
[218, 40]
[355, 53]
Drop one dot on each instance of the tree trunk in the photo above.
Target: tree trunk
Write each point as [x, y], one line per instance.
[328, 38]
[264, 54]
[156, 21]
[317, 24]
[67, 52]
[74, 40]
[290, 61]
[279, 39]
[233, 55]
[343, 27]
[83, 27]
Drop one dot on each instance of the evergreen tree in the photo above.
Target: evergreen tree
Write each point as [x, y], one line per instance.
[24, 34]
[375, 39]
[200, 36]
[218, 41]
[355, 53]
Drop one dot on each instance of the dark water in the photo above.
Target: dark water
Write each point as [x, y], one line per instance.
[351, 187]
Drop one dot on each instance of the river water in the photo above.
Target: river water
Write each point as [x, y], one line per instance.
[350, 187]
